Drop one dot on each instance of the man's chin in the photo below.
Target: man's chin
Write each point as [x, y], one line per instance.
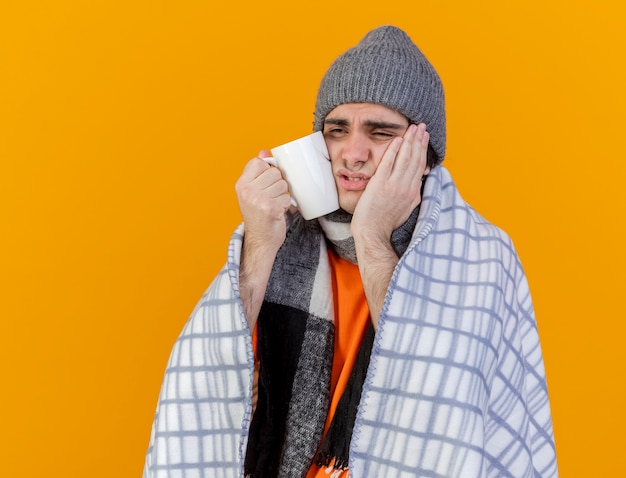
[348, 204]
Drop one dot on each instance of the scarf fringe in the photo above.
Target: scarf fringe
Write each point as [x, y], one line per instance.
[327, 460]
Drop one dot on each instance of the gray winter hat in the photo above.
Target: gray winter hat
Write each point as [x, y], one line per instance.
[387, 68]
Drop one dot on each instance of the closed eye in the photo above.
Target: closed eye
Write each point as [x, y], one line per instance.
[335, 131]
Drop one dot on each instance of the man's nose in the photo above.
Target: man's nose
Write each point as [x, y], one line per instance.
[355, 149]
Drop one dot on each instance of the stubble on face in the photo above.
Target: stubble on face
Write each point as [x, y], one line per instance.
[357, 136]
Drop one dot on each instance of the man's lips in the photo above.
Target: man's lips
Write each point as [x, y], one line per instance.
[352, 181]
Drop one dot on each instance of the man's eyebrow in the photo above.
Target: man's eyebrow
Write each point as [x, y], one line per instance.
[337, 121]
[384, 124]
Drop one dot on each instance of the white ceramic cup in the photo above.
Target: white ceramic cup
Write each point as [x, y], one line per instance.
[305, 165]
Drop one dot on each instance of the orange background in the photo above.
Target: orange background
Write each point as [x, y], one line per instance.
[124, 125]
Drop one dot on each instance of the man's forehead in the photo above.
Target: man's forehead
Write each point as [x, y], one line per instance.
[364, 113]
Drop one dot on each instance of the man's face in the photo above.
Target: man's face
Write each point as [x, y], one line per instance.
[357, 135]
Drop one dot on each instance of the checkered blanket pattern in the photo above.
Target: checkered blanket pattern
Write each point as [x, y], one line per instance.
[456, 385]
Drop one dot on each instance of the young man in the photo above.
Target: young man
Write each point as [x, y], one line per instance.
[394, 337]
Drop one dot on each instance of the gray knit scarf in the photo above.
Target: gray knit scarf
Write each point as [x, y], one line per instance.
[295, 348]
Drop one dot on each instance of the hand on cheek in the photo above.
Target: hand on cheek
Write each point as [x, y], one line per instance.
[394, 190]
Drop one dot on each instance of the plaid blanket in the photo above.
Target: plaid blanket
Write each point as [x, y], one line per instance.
[455, 386]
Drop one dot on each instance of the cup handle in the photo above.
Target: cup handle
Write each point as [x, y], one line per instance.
[272, 162]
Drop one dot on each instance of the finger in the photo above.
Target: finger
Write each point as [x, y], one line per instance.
[385, 167]
[269, 176]
[409, 153]
[412, 160]
[254, 167]
[256, 178]
[424, 153]
[408, 157]
[277, 189]
[416, 159]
